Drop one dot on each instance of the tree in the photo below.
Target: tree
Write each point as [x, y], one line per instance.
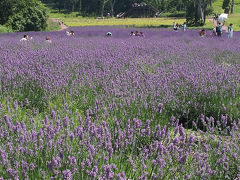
[103, 3]
[80, 6]
[24, 15]
[197, 10]
[226, 6]
[112, 3]
[232, 7]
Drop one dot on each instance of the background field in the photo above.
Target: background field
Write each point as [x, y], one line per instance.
[73, 20]
[166, 21]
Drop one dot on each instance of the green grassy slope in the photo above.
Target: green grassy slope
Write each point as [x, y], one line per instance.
[217, 6]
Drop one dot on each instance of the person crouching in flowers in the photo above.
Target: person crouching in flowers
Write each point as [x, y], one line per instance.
[72, 33]
[132, 33]
[108, 34]
[26, 38]
[202, 33]
[137, 33]
[48, 39]
[141, 34]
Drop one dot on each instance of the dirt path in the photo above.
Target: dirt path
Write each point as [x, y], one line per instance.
[215, 23]
[62, 26]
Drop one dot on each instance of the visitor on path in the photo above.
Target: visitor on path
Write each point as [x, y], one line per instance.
[230, 30]
[219, 29]
[48, 39]
[108, 34]
[202, 33]
[62, 22]
[184, 26]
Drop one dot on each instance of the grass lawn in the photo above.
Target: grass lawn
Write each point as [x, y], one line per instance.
[217, 6]
[136, 22]
[52, 26]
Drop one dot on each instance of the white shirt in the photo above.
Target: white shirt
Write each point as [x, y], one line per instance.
[109, 34]
[23, 39]
[68, 33]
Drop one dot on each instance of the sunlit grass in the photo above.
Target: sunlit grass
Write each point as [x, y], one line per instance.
[137, 22]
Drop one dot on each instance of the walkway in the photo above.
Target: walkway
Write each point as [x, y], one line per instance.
[62, 27]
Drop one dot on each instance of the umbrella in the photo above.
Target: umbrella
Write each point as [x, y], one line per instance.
[223, 17]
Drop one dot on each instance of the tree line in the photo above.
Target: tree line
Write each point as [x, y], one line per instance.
[195, 10]
[23, 15]
[101, 7]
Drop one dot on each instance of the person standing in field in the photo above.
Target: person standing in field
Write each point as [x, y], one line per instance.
[184, 26]
[175, 26]
[219, 29]
[230, 30]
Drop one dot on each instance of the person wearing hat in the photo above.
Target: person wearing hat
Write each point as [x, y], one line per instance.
[108, 34]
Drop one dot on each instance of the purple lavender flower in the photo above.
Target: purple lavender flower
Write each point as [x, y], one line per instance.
[160, 107]
[66, 174]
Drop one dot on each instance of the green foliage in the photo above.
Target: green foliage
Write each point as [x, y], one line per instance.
[197, 11]
[4, 29]
[24, 15]
[94, 7]
[190, 13]
[52, 26]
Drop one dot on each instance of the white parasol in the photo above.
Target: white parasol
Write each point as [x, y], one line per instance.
[223, 17]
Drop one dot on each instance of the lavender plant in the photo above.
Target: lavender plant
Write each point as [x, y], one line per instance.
[166, 106]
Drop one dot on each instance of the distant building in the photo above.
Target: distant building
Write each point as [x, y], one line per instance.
[139, 10]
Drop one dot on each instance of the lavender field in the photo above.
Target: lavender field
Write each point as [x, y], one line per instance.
[166, 106]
